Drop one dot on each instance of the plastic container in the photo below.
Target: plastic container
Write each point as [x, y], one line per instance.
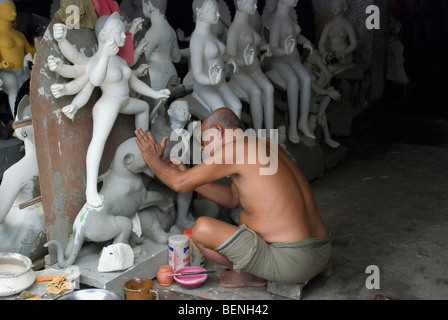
[196, 257]
[178, 251]
[163, 275]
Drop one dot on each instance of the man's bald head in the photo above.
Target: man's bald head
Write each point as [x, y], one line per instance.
[224, 117]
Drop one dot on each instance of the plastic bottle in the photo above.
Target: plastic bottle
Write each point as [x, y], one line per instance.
[196, 257]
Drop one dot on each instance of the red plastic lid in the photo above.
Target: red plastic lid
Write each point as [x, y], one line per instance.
[187, 232]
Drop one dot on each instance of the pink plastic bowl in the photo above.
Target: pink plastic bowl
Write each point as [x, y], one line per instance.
[191, 281]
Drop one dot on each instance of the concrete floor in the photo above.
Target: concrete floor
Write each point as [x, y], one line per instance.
[385, 206]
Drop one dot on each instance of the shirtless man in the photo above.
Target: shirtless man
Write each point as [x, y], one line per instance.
[281, 236]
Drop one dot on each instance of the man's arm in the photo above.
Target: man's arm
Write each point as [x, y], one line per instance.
[222, 194]
[181, 182]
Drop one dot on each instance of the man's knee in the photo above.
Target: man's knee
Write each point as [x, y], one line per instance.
[200, 230]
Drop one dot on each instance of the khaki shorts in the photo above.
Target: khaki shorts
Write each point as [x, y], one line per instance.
[292, 262]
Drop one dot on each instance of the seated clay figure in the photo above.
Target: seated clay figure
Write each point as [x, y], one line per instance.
[284, 35]
[338, 40]
[124, 193]
[13, 48]
[323, 92]
[208, 58]
[116, 80]
[22, 230]
[244, 43]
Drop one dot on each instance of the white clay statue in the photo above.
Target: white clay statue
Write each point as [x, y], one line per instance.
[284, 36]
[244, 43]
[105, 69]
[338, 40]
[208, 58]
[323, 93]
[162, 48]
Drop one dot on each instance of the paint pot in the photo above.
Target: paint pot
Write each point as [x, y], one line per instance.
[164, 275]
[196, 257]
[140, 289]
[178, 251]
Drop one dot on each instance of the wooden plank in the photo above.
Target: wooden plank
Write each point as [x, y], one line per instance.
[61, 144]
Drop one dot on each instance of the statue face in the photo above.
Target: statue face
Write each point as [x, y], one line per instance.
[247, 6]
[181, 113]
[8, 11]
[338, 7]
[209, 12]
[118, 32]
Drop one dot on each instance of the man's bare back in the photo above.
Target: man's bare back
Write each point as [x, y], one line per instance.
[279, 207]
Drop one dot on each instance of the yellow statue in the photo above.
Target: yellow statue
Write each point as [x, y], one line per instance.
[13, 48]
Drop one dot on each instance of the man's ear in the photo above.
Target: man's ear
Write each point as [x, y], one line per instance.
[220, 128]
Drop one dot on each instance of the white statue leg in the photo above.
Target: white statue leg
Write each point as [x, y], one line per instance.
[11, 86]
[183, 204]
[322, 120]
[305, 98]
[210, 95]
[292, 90]
[251, 88]
[231, 100]
[267, 90]
[141, 110]
[104, 114]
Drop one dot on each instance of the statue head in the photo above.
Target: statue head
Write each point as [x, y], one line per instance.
[108, 26]
[206, 10]
[150, 6]
[8, 11]
[338, 7]
[179, 112]
[246, 6]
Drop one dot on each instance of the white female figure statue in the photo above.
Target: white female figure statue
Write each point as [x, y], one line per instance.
[244, 43]
[208, 56]
[283, 37]
[162, 49]
[116, 79]
[338, 40]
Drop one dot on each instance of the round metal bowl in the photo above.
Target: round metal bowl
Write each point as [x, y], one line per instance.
[16, 273]
[91, 294]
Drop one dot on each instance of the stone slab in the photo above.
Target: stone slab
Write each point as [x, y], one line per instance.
[149, 256]
[11, 151]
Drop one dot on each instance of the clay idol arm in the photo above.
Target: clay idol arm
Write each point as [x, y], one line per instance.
[197, 66]
[274, 39]
[140, 87]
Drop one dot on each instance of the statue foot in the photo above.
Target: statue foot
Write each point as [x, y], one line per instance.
[94, 199]
[306, 131]
[293, 135]
[333, 144]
